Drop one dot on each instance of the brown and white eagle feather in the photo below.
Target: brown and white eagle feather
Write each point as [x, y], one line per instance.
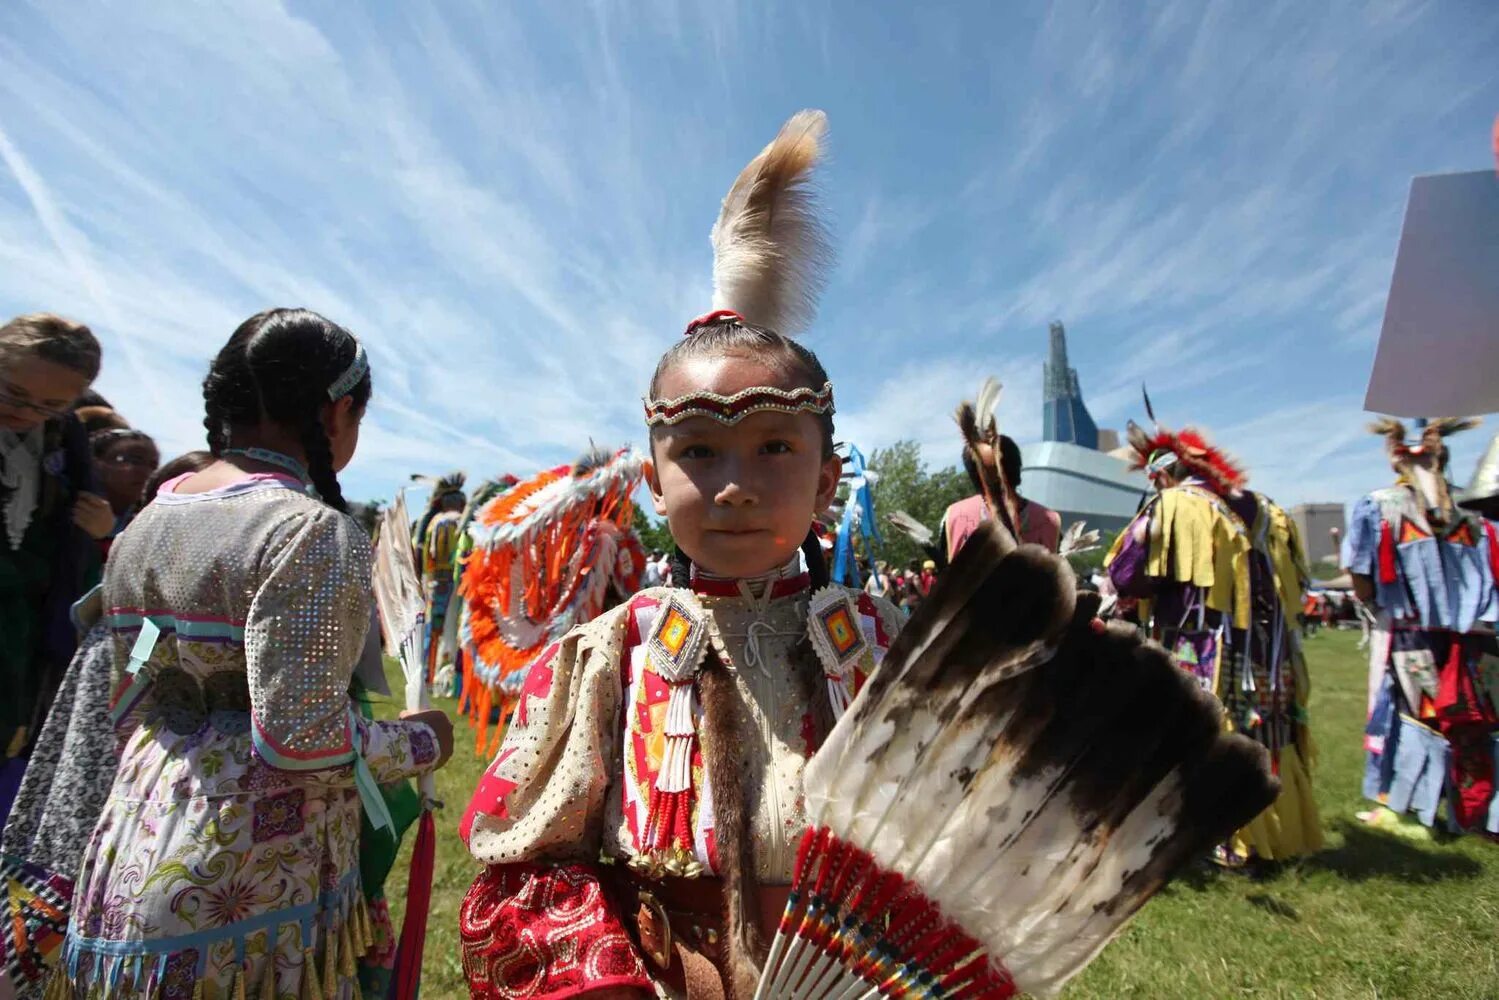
[1033, 773]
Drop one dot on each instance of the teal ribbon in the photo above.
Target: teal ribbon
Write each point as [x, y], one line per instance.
[369, 789]
[144, 644]
[369, 794]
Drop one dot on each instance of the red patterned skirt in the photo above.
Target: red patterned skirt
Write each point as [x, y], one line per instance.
[544, 931]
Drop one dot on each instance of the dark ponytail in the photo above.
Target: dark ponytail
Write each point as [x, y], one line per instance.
[277, 367]
[230, 396]
[681, 568]
[817, 565]
[320, 462]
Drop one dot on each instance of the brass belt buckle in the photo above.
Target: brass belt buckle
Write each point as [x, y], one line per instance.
[651, 909]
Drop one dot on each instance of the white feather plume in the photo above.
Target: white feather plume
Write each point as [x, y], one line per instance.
[987, 404]
[771, 253]
[398, 592]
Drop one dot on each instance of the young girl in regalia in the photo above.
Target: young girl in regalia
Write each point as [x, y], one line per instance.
[641, 819]
[226, 860]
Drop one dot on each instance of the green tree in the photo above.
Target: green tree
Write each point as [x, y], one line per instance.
[368, 514]
[904, 483]
[655, 536]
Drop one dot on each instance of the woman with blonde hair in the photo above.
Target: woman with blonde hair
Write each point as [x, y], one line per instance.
[50, 517]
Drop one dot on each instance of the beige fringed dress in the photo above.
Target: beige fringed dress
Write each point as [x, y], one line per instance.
[605, 757]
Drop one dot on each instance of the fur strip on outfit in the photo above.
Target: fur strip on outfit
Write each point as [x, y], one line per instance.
[744, 952]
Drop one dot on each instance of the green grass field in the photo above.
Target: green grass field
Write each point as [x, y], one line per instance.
[1373, 916]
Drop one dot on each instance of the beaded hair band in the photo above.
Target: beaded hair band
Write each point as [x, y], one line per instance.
[732, 409]
[352, 376]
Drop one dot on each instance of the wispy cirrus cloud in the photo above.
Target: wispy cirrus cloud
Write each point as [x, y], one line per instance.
[510, 205]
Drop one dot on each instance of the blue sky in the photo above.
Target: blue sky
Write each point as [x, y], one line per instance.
[510, 203]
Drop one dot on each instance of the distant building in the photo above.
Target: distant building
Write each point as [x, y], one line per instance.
[1321, 526]
[1064, 417]
[1067, 471]
[1082, 485]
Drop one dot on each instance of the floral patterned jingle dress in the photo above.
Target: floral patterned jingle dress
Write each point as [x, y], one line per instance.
[226, 862]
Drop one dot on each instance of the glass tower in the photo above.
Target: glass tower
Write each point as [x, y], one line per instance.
[1064, 416]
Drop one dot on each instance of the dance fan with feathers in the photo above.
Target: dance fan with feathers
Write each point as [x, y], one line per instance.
[1077, 540]
[980, 823]
[910, 527]
[398, 593]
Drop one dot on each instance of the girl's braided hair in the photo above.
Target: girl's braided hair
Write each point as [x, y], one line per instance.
[278, 366]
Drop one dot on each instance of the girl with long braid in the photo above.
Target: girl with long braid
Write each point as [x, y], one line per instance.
[225, 863]
[670, 735]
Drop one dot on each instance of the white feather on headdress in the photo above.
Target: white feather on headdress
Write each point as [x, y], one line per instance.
[987, 403]
[980, 426]
[771, 253]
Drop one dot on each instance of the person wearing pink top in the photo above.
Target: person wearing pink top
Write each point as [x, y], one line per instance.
[1038, 525]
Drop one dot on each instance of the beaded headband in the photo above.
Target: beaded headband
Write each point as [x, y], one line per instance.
[732, 409]
[1160, 460]
[352, 375]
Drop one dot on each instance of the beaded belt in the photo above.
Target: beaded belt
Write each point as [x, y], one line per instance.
[185, 704]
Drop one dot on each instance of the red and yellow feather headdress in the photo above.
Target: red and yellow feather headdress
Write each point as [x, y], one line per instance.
[1158, 451]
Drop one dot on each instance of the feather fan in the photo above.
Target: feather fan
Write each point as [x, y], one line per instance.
[398, 592]
[771, 253]
[1077, 540]
[1007, 790]
[913, 529]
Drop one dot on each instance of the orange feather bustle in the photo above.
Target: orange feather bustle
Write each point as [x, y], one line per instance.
[542, 549]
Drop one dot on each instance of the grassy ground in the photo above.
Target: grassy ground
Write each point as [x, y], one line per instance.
[1373, 916]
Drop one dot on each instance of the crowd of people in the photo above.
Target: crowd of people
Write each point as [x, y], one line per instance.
[199, 804]
[75, 475]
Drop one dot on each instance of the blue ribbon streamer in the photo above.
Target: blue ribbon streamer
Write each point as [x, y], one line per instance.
[845, 569]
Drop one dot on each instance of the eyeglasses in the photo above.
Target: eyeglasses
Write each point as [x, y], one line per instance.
[9, 395]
